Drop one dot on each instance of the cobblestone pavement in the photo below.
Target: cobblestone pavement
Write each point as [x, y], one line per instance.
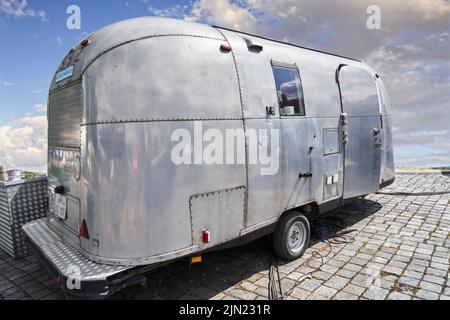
[389, 246]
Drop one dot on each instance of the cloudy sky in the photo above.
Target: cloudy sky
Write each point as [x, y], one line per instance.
[411, 52]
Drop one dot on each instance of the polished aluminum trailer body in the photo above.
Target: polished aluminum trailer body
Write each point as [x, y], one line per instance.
[115, 102]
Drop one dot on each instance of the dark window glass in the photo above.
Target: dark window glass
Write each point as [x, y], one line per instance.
[289, 91]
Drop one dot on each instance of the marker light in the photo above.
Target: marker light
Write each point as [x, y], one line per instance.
[225, 47]
[85, 42]
[84, 230]
[206, 237]
[196, 259]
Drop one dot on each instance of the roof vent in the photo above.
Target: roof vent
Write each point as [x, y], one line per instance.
[253, 45]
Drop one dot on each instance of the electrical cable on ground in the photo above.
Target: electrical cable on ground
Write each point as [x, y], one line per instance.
[275, 291]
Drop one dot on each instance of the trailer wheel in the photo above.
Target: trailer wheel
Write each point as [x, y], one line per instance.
[291, 237]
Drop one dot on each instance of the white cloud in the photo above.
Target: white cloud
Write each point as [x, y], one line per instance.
[20, 9]
[24, 144]
[175, 11]
[59, 41]
[39, 91]
[224, 12]
[8, 84]
[40, 107]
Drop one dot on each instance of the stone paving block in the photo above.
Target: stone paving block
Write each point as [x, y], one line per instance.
[300, 294]
[354, 290]
[242, 294]
[413, 274]
[437, 272]
[310, 284]
[434, 279]
[376, 293]
[322, 275]
[398, 296]
[248, 286]
[261, 291]
[429, 286]
[325, 291]
[346, 273]
[427, 295]
[393, 270]
[409, 281]
[352, 267]
[342, 295]
[337, 282]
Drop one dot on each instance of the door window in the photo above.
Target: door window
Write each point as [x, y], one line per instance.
[359, 92]
[289, 90]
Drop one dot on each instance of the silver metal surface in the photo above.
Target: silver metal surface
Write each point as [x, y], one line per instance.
[387, 150]
[142, 79]
[221, 213]
[64, 169]
[65, 109]
[65, 258]
[21, 201]
[297, 237]
[360, 101]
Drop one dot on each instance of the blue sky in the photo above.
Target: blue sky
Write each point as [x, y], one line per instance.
[409, 51]
[33, 47]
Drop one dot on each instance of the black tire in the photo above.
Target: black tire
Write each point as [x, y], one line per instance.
[281, 244]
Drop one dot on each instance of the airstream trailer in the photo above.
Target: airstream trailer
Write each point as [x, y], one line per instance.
[130, 98]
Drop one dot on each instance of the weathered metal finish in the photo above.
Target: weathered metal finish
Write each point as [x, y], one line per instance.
[387, 149]
[65, 109]
[21, 201]
[144, 78]
[67, 260]
[219, 213]
[360, 103]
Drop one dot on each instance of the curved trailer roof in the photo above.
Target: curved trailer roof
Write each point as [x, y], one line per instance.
[127, 31]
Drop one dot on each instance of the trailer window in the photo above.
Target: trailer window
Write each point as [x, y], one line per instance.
[289, 91]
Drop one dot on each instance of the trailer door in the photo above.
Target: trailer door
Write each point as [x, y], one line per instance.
[361, 131]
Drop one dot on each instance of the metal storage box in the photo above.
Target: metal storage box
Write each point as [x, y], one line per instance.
[22, 199]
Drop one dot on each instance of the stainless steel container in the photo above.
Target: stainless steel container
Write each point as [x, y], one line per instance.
[23, 197]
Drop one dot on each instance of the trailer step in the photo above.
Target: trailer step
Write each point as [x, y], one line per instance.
[75, 274]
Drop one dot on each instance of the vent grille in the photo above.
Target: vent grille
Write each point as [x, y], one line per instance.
[65, 109]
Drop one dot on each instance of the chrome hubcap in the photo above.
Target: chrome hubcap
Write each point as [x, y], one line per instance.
[296, 237]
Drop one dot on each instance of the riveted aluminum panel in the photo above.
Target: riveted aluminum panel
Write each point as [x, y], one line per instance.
[331, 142]
[152, 200]
[124, 32]
[65, 108]
[360, 100]
[164, 78]
[219, 212]
[64, 169]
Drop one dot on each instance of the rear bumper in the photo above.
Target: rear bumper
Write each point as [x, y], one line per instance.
[76, 275]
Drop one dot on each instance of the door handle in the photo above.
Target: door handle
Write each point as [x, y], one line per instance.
[378, 137]
[270, 111]
[305, 175]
